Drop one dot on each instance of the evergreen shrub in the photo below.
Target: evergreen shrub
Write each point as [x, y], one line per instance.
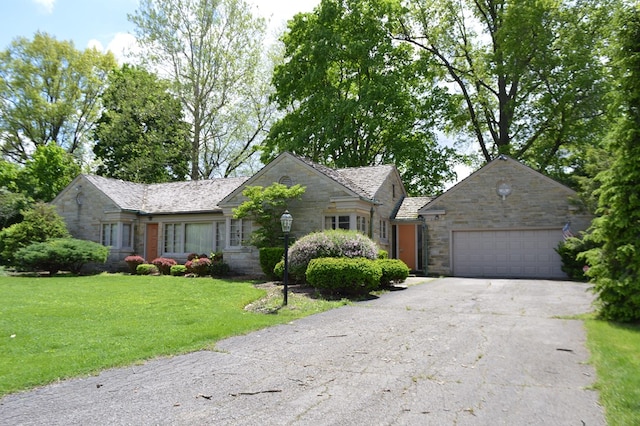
[344, 276]
[394, 271]
[61, 254]
[269, 257]
[163, 264]
[147, 269]
[133, 261]
[178, 270]
[199, 266]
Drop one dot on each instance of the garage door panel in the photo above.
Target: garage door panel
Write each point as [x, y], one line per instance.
[507, 253]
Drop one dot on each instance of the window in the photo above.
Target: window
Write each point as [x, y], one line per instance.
[337, 222]
[173, 238]
[198, 238]
[220, 236]
[383, 230]
[239, 230]
[110, 234]
[361, 224]
[127, 235]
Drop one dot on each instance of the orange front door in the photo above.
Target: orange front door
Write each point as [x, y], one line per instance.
[407, 245]
[151, 246]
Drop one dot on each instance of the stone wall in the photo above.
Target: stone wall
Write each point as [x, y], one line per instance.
[534, 202]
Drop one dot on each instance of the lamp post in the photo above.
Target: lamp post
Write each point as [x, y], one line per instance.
[285, 220]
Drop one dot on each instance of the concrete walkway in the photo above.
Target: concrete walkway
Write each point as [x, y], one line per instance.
[446, 352]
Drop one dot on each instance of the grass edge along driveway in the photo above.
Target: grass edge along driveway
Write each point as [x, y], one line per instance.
[53, 328]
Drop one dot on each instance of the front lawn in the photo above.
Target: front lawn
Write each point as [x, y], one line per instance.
[61, 327]
[615, 353]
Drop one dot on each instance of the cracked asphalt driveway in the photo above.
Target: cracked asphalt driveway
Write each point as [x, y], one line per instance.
[447, 351]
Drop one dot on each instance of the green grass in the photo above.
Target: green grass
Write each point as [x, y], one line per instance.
[615, 353]
[61, 327]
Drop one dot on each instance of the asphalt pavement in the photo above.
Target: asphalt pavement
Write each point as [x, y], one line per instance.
[448, 351]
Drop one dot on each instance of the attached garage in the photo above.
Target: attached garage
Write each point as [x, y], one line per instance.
[522, 253]
[504, 220]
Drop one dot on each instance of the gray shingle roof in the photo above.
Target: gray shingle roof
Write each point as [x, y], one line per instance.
[409, 208]
[174, 197]
[364, 181]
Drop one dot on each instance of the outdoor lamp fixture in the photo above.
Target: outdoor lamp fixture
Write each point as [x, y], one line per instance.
[285, 220]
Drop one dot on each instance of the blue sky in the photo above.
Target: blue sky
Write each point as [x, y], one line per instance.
[102, 23]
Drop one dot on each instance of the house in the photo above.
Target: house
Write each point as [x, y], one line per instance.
[503, 220]
[175, 219]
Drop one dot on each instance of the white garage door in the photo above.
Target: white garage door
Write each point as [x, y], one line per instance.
[507, 253]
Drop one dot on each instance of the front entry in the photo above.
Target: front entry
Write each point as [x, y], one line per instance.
[407, 245]
[151, 246]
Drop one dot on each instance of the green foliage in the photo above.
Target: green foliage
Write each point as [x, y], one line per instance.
[49, 170]
[269, 258]
[40, 223]
[383, 254]
[615, 264]
[330, 243]
[50, 95]
[11, 206]
[355, 97]
[213, 53]
[569, 250]
[394, 271]
[148, 269]
[164, 264]
[344, 276]
[278, 270]
[60, 254]
[529, 74]
[219, 269]
[264, 207]
[178, 270]
[141, 135]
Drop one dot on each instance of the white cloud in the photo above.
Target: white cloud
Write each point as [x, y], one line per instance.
[45, 5]
[123, 46]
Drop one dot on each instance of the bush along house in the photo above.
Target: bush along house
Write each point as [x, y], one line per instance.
[503, 205]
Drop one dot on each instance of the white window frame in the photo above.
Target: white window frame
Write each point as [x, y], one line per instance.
[384, 229]
[239, 230]
[361, 224]
[337, 221]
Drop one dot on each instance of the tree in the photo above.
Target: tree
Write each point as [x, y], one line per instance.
[354, 97]
[211, 49]
[40, 223]
[615, 266]
[529, 74]
[49, 93]
[141, 136]
[264, 206]
[49, 170]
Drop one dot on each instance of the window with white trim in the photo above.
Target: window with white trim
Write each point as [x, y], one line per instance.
[239, 232]
[127, 235]
[337, 222]
[361, 224]
[109, 235]
[221, 235]
[198, 238]
[173, 238]
[383, 230]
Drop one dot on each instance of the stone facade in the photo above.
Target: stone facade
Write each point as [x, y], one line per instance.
[503, 195]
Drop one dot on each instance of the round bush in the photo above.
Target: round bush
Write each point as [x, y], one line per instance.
[269, 257]
[219, 268]
[198, 266]
[393, 271]
[178, 270]
[331, 243]
[133, 261]
[344, 276]
[147, 269]
[164, 264]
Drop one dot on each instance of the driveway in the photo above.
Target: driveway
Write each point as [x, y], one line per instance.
[445, 352]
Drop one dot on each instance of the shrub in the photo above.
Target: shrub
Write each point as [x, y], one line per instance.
[332, 243]
[344, 276]
[178, 270]
[269, 257]
[383, 254]
[393, 271]
[133, 261]
[164, 264]
[198, 266]
[147, 269]
[61, 254]
[278, 270]
[219, 268]
[573, 265]
[40, 223]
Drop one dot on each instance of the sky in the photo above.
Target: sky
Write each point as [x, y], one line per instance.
[103, 23]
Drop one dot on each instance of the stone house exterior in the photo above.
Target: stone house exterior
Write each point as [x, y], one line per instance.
[175, 219]
[504, 220]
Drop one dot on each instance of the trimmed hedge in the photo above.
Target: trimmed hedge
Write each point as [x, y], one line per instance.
[133, 261]
[393, 271]
[269, 258]
[61, 254]
[178, 270]
[164, 264]
[198, 266]
[219, 268]
[344, 276]
[147, 269]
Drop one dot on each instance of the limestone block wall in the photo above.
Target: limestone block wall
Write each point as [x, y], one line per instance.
[535, 201]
